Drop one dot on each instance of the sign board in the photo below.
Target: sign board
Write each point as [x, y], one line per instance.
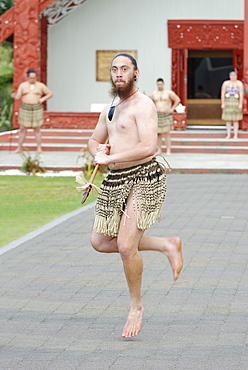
[104, 59]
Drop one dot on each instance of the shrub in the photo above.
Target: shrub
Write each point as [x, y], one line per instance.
[31, 165]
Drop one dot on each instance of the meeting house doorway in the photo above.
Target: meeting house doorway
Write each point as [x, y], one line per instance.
[206, 72]
[203, 54]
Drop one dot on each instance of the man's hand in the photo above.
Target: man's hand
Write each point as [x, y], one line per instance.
[102, 158]
[103, 148]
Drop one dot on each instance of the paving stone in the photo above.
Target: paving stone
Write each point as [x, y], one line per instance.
[63, 305]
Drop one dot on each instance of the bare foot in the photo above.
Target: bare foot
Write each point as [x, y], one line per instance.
[228, 137]
[39, 151]
[134, 323]
[235, 137]
[175, 256]
[168, 152]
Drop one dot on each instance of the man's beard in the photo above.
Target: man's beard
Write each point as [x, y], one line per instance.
[122, 92]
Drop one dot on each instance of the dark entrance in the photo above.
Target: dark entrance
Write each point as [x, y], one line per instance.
[206, 72]
[208, 69]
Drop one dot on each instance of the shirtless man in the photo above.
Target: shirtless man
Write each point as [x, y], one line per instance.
[165, 101]
[32, 94]
[133, 192]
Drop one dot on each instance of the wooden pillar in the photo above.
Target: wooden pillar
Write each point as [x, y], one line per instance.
[244, 124]
[245, 36]
[43, 52]
[26, 44]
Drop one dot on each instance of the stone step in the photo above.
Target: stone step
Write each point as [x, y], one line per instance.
[190, 140]
[210, 142]
[174, 148]
[190, 132]
[175, 139]
[207, 149]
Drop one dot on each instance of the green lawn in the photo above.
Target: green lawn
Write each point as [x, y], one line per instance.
[29, 202]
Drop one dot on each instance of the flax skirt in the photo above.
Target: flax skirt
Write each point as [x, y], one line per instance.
[30, 115]
[165, 122]
[148, 185]
[231, 112]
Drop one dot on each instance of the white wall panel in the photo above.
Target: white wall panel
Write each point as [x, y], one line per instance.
[118, 25]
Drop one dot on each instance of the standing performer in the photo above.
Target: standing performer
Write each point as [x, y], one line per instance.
[32, 94]
[132, 194]
[232, 96]
[165, 102]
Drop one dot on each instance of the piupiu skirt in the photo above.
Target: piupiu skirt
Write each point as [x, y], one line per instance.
[148, 185]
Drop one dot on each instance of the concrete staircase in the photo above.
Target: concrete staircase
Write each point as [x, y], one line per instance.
[208, 140]
[52, 140]
[193, 140]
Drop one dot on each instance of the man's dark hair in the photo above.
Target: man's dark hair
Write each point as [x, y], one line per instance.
[133, 60]
[31, 71]
[160, 80]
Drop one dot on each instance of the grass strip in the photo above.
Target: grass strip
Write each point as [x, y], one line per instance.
[29, 202]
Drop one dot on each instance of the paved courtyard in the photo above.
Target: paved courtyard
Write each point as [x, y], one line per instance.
[63, 305]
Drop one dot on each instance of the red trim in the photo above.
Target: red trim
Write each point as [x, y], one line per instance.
[184, 35]
[70, 120]
[43, 49]
[7, 19]
[245, 64]
[205, 34]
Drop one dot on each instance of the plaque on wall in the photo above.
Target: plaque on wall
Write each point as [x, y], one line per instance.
[103, 62]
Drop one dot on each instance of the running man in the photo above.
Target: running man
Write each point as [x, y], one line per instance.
[133, 192]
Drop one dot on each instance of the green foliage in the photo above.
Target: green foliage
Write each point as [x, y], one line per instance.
[6, 111]
[6, 54]
[5, 5]
[6, 77]
[6, 66]
[31, 165]
[29, 202]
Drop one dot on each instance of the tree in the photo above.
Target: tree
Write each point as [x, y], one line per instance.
[5, 5]
[6, 74]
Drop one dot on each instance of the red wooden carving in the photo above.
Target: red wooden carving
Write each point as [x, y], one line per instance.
[174, 71]
[238, 62]
[70, 120]
[7, 19]
[244, 124]
[23, 21]
[204, 34]
[180, 121]
[26, 43]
